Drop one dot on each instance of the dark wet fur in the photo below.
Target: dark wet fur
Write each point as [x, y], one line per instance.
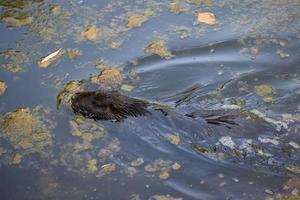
[112, 105]
[108, 105]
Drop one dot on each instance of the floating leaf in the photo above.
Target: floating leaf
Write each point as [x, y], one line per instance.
[46, 61]
[206, 18]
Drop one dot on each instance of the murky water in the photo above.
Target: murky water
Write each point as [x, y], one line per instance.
[249, 58]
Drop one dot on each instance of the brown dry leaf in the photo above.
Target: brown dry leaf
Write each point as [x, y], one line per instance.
[206, 18]
[3, 87]
[46, 61]
[90, 33]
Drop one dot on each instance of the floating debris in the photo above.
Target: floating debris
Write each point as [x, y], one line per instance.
[65, 95]
[164, 175]
[130, 172]
[163, 167]
[17, 158]
[110, 78]
[268, 140]
[87, 129]
[90, 33]
[174, 6]
[3, 87]
[114, 45]
[283, 54]
[14, 60]
[92, 166]
[17, 21]
[264, 91]
[137, 20]
[46, 61]
[158, 47]
[294, 144]
[176, 166]
[206, 18]
[126, 88]
[108, 168]
[164, 197]
[138, 162]
[291, 197]
[28, 132]
[174, 139]
[109, 150]
[227, 141]
[73, 53]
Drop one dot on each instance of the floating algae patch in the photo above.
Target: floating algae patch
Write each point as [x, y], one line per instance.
[86, 129]
[3, 87]
[174, 6]
[164, 167]
[111, 78]
[17, 21]
[90, 33]
[73, 53]
[158, 47]
[14, 60]
[136, 20]
[65, 95]
[164, 197]
[264, 91]
[90, 157]
[26, 132]
[97, 34]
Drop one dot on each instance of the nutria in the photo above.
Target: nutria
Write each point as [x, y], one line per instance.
[239, 131]
[114, 106]
[108, 105]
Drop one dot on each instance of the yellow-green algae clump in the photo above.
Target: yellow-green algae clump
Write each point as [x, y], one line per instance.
[86, 129]
[158, 47]
[137, 20]
[24, 130]
[3, 87]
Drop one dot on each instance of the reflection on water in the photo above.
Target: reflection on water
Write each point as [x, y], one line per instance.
[248, 59]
